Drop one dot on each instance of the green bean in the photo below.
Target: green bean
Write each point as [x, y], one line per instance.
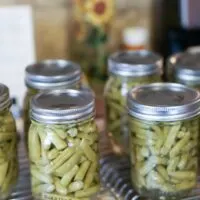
[44, 188]
[163, 172]
[34, 145]
[179, 145]
[158, 131]
[60, 160]
[72, 132]
[87, 192]
[82, 171]
[66, 179]
[90, 175]
[59, 188]
[42, 177]
[46, 142]
[154, 150]
[89, 153]
[60, 132]
[183, 161]
[3, 171]
[69, 164]
[8, 179]
[192, 164]
[173, 163]
[53, 154]
[56, 140]
[75, 186]
[185, 185]
[170, 139]
[188, 175]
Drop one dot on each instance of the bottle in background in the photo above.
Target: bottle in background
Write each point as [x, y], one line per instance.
[135, 38]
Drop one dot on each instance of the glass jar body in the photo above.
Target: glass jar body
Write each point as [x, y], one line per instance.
[164, 157]
[115, 99]
[8, 154]
[64, 160]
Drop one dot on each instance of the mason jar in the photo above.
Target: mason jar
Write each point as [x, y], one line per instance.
[63, 145]
[8, 145]
[127, 69]
[164, 132]
[184, 68]
[49, 75]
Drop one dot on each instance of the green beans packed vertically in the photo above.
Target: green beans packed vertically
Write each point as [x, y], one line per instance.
[48, 75]
[165, 156]
[115, 98]
[8, 146]
[64, 154]
[184, 68]
[127, 69]
[164, 138]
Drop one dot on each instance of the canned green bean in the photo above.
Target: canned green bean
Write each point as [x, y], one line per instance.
[49, 75]
[8, 145]
[63, 146]
[127, 69]
[164, 132]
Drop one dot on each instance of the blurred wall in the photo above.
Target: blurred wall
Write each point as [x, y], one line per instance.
[52, 22]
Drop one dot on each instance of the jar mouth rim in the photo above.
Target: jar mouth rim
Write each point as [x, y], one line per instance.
[52, 85]
[52, 73]
[62, 106]
[185, 102]
[135, 63]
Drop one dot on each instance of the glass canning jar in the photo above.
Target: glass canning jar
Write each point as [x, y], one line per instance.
[184, 68]
[49, 75]
[8, 145]
[63, 145]
[164, 132]
[127, 69]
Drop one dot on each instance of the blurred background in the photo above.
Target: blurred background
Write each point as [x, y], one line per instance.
[87, 31]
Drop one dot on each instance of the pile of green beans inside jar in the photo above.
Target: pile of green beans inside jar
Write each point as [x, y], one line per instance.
[127, 69]
[164, 137]
[49, 75]
[63, 146]
[8, 145]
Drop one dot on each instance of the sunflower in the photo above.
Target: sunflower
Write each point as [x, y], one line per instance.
[79, 8]
[99, 12]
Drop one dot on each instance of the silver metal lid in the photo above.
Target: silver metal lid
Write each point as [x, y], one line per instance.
[54, 74]
[187, 67]
[5, 100]
[135, 63]
[163, 102]
[62, 106]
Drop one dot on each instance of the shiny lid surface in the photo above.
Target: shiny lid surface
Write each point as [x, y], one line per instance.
[62, 106]
[135, 63]
[52, 74]
[5, 100]
[163, 102]
[187, 67]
